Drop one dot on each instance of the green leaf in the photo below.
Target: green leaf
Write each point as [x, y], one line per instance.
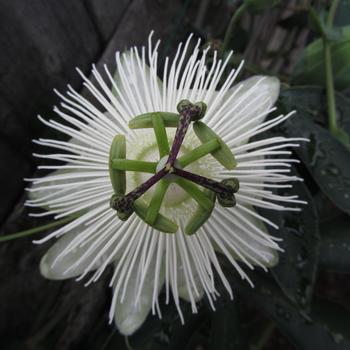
[325, 208]
[317, 22]
[334, 316]
[300, 328]
[335, 245]
[226, 333]
[296, 271]
[325, 157]
[310, 68]
[318, 25]
[342, 15]
[312, 100]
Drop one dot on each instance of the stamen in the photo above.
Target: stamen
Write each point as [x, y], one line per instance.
[156, 201]
[199, 152]
[134, 165]
[161, 136]
[195, 193]
[124, 204]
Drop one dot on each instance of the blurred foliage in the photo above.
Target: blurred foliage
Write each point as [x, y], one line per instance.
[310, 66]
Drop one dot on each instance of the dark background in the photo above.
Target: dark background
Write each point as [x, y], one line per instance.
[41, 43]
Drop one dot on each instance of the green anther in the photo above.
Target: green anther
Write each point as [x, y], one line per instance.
[223, 155]
[123, 212]
[161, 223]
[156, 201]
[228, 199]
[118, 177]
[199, 152]
[195, 193]
[203, 108]
[185, 104]
[201, 215]
[232, 183]
[134, 165]
[145, 120]
[161, 136]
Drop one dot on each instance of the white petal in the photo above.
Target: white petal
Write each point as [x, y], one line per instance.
[267, 85]
[138, 86]
[250, 101]
[35, 193]
[58, 270]
[129, 316]
[264, 88]
[232, 225]
[184, 293]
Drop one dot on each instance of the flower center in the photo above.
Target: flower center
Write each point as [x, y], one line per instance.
[175, 195]
[171, 186]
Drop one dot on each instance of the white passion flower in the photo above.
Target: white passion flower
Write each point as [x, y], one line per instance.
[154, 191]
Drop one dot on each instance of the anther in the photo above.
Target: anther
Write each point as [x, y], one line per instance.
[228, 199]
[124, 204]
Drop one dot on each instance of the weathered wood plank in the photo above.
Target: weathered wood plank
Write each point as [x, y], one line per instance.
[106, 14]
[40, 43]
[85, 309]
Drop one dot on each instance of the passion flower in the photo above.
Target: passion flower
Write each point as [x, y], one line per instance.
[161, 177]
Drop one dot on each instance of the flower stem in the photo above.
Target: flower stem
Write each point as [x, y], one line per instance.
[265, 336]
[332, 115]
[38, 229]
[332, 11]
[161, 136]
[134, 165]
[127, 343]
[198, 152]
[231, 27]
[332, 121]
